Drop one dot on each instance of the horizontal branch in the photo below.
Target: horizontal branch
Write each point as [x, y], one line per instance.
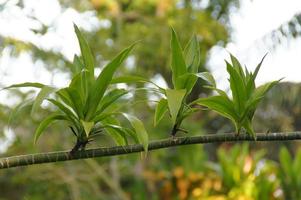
[49, 157]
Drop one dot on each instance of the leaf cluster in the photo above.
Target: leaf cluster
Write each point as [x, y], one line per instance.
[88, 104]
[246, 96]
[184, 65]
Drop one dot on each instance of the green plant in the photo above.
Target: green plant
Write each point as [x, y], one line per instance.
[184, 65]
[242, 171]
[289, 174]
[245, 96]
[88, 104]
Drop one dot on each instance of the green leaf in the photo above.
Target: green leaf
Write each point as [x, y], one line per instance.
[77, 65]
[139, 129]
[286, 162]
[65, 97]
[245, 96]
[86, 52]
[237, 67]
[187, 112]
[45, 91]
[129, 79]
[77, 102]
[160, 111]
[101, 117]
[133, 79]
[113, 128]
[45, 123]
[189, 80]
[297, 162]
[251, 78]
[103, 81]
[258, 67]
[192, 60]
[68, 112]
[178, 65]
[192, 55]
[109, 99]
[207, 76]
[220, 104]
[238, 89]
[27, 84]
[175, 100]
[219, 91]
[87, 126]
[263, 89]
[81, 83]
[116, 132]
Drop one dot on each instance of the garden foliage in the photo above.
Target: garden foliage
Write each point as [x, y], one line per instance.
[89, 104]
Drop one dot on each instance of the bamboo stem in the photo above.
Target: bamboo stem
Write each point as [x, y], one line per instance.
[48, 157]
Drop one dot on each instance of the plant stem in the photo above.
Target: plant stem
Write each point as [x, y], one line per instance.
[48, 157]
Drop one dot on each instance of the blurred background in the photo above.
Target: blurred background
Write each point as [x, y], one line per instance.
[37, 43]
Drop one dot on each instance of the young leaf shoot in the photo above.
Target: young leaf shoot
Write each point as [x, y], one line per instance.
[246, 96]
[85, 104]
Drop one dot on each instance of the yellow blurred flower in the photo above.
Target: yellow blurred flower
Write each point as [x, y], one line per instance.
[197, 192]
[178, 172]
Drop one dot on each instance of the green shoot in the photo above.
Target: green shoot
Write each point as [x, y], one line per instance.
[184, 65]
[245, 96]
[87, 103]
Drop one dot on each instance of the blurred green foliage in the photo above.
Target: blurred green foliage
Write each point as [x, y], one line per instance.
[222, 172]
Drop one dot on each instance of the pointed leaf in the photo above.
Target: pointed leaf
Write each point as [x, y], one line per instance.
[263, 89]
[258, 66]
[101, 117]
[286, 162]
[118, 135]
[77, 102]
[77, 65]
[86, 52]
[109, 99]
[219, 91]
[87, 126]
[192, 55]
[113, 128]
[251, 78]
[187, 112]
[178, 65]
[27, 84]
[67, 111]
[297, 162]
[160, 111]
[81, 83]
[189, 79]
[238, 89]
[133, 79]
[103, 81]
[256, 97]
[129, 79]
[207, 76]
[139, 129]
[45, 123]
[175, 100]
[65, 97]
[221, 105]
[237, 66]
